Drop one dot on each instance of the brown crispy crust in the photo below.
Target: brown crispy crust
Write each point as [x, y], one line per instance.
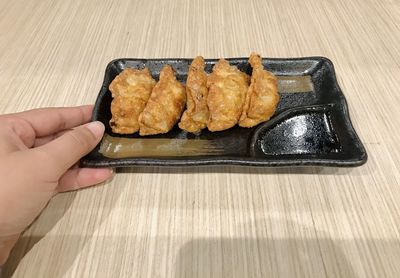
[195, 118]
[226, 96]
[165, 105]
[131, 90]
[262, 96]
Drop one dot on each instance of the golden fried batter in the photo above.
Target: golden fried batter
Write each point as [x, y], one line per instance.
[165, 105]
[195, 117]
[130, 89]
[227, 92]
[262, 96]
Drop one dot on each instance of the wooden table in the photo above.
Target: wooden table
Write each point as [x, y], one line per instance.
[213, 222]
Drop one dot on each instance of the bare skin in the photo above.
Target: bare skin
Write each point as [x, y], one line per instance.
[39, 150]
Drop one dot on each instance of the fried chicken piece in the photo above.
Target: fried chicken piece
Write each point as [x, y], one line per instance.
[165, 106]
[262, 96]
[195, 117]
[226, 95]
[131, 90]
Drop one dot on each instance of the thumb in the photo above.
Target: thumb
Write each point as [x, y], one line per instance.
[66, 150]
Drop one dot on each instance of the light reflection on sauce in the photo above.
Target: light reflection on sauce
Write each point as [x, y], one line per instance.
[117, 147]
[295, 84]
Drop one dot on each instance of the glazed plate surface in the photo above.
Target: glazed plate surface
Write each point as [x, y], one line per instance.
[310, 127]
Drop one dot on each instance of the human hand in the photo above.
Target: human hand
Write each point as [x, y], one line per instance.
[39, 150]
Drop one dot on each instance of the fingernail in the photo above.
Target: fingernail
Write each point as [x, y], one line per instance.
[97, 128]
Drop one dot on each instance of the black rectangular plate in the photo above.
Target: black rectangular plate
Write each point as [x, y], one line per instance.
[310, 127]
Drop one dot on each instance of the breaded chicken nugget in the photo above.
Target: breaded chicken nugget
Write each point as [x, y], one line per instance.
[165, 105]
[262, 96]
[226, 95]
[195, 117]
[131, 90]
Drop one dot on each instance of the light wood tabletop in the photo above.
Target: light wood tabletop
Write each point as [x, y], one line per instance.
[213, 221]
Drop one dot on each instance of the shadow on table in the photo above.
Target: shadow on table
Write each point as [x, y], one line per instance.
[238, 170]
[246, 257]
[52, 214]
[218, 258]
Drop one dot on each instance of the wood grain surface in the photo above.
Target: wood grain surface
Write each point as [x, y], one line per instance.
[216, 221]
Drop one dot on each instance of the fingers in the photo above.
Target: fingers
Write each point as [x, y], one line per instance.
[63, 152]
[46, 139]
[46, 121]
[83, 177]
